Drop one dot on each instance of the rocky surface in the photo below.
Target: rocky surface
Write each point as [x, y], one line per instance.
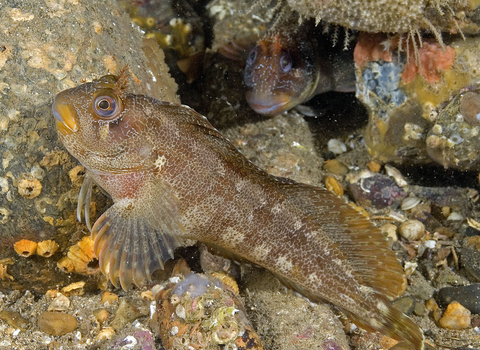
[75, 41]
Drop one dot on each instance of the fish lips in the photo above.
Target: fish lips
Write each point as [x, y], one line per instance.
[270, 105]
[65, 116]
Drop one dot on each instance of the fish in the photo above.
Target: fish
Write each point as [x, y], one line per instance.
[172, 176]
[286, 69]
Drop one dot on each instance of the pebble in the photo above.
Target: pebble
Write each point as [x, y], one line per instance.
[14, 319]
[470, 259]
[126, 313]
[60, 303]
[335, 167]
[405, 304]
[411, 230]
[420, 309]
[56, 323]
[468, 296]
[108, 297]
[336, 146]
[455, 317]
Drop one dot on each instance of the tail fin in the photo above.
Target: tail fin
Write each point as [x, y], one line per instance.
[388, 320]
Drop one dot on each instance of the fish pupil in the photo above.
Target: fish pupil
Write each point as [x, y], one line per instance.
[252, 56]
[104, 104]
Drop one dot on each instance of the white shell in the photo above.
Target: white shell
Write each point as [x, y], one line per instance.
[410, 202]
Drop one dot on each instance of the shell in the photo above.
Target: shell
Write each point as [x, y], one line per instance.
[25, 247]
[47, 248]
[60, 303]
[410, 202]
[75, 288]
[105, 334]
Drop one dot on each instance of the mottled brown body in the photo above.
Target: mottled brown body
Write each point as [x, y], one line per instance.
[173, 176]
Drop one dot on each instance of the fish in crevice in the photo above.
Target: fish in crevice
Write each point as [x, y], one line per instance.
[288, 67]
[172, 176]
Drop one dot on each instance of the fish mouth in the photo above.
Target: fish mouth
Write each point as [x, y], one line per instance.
[268, 105]
[65, 116]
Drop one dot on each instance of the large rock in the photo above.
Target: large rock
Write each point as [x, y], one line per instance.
[45, 47]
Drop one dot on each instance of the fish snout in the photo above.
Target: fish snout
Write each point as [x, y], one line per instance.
[65, 116]
[268, 104]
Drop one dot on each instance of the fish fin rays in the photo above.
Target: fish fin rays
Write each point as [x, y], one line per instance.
[388, 320]
[133, 238]
[359, 240]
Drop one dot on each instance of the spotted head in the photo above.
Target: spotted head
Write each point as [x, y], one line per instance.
[105, 128]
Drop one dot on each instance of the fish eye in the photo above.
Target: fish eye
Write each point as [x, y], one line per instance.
[252, 56]
[107, 107]
[286, 62]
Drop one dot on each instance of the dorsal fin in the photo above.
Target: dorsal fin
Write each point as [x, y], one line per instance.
[362, 243]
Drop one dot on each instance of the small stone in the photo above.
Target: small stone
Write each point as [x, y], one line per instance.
[405, 304]
[335, 167]
[374, 166]
[101, 315]
[411, 230]
[105, 334]
[127, 312]
[14, 319]
[420, 309]
[56, 323]
[336, 146]
[60, 303]
[390, 230]
[108, 297]
[455, 317]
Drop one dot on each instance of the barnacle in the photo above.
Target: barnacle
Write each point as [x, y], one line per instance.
[81, 255]
[28, 186]
[25, 247]
[66, 265]
[76, 175]
[47, 248]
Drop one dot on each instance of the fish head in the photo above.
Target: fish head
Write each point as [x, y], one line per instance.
[280, 73]
[106, 129]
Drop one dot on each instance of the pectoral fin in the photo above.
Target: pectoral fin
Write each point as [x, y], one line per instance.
[135, 237]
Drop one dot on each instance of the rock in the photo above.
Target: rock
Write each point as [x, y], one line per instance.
[411, 230]
[127, 312]
[46, 47]
[468, 296]
[470, 260]
[405, 304]
[56, 323]
[375, 190]
[455, 317]
[14, 319]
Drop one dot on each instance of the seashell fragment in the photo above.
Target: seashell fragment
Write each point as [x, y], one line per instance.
[60, 303]
[74, 288]
[25, 247]
[47, 248]
[410, 202]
